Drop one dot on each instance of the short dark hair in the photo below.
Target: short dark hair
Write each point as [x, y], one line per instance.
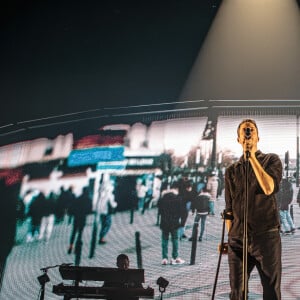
[247, 121]
[122, 256]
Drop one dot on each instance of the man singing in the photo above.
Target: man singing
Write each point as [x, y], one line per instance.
[263, 226]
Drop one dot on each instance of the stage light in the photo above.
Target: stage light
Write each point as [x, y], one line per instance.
[162, 282]
[43, 279]
[251, 51]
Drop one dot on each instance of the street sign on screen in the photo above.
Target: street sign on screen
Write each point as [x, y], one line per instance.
[90, 156]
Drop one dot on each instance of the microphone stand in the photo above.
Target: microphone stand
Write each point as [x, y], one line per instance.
[245, 235]
[161, 290]
[44, 278]
[221, 250]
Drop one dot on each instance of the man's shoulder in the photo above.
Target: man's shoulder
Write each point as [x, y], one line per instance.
[233, 166]
[261, 155]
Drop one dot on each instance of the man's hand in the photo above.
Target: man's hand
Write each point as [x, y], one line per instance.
[248, 149]
[223, 248]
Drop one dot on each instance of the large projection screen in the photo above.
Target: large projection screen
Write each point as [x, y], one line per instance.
[124, 152]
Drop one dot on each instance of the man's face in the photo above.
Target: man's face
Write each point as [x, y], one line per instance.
[123, 264]
[248, 136]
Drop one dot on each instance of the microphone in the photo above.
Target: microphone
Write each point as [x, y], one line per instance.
[247, 152]
[51, 267]
[247, 131]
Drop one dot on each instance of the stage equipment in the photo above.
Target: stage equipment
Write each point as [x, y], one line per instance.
[138, 249]
[223, 249]
[44, 278]
[125, 281]
[162, 283]
[245, 236]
